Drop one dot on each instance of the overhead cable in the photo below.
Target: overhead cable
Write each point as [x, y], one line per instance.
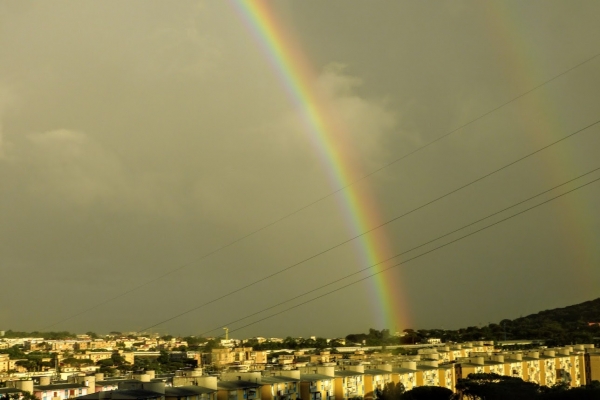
[413, 258]
[276, 221]
[285, 269]
[231, 323]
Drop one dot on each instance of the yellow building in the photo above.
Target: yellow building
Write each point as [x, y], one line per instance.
[280, 387]
[349, 384]
[190, 393]
[317, 387]
[428, 373]
[406, 374]
[592, 365]
[238, 390]
[447, 376]
[376, 379]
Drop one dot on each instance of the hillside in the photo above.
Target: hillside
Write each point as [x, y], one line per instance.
[583, 313]
[560, 326]
[564, 325]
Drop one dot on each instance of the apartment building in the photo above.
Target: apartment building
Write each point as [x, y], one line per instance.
[60, 391]
[6, 364]
[592, 365]
[349, 384]
[238, 390]
[359, 375]
[406, 374]
[280, 387]
[317, 386]
[238, 355]
[94, 356]
[190, 393]
[376, 379]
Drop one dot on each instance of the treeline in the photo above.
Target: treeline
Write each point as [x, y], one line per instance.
[492, 387]
[290, 343]
[498, 387]
[579, 323]
[575, 324]
[36, 334]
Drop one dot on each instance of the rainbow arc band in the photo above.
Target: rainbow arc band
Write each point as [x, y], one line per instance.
[326, 132]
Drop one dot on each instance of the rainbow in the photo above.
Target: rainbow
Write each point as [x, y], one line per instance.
[544, 122]
[326, 132]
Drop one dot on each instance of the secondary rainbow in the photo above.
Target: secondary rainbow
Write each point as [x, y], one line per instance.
[544, 121]
[325, 130]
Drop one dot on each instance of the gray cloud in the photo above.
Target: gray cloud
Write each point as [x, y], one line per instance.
[137, 137]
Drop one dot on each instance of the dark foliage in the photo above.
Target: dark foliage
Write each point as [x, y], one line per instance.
[391, 391]
[497, 387]
[36, 334]
[427, 393]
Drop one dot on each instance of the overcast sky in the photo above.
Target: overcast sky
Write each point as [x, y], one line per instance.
[137, 137]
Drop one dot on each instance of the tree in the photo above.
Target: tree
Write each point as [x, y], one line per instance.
[212, 344]
[391, 391]
[106, 363]
[321, 343]
[429, 393]
[587, 392]
[496, 387]
[290, 343]
[117, 359]
[23, 396]
[194, 342]
[30, 365]
[76, 362]
[14, 353]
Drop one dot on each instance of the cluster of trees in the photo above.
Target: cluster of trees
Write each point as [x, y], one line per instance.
[499, 387]
[111, 365]
[33, 361]
[46, 335]
[397, 391]
[373, 338]
[117, 363]
[579, 323]
[163, 363]
[383, 337]
[557, 327]
[290, 343]
[18, 396]
[492, 387]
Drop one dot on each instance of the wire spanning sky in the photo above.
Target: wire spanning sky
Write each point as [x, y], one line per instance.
[137, 137]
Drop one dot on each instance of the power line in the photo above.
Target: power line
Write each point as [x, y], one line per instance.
[281, 271]
[402, 253]
[413, 258]
[276, 221]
